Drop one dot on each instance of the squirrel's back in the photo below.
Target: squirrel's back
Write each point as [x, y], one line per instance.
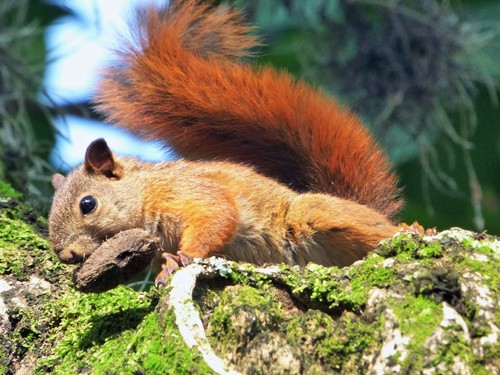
[182, 80]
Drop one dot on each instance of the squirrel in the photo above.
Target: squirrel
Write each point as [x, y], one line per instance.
[273, 170]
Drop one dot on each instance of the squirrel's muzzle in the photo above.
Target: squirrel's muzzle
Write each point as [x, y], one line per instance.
[76, 251]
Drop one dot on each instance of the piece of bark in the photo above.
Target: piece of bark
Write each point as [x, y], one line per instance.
[116, 261]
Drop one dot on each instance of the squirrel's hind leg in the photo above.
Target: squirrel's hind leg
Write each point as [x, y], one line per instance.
[332, 231]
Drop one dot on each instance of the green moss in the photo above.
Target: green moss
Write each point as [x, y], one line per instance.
[8, 192]
[346, 289]
[432, 250]
[24, 254]
[334, 343]
[22, 251]
[418, 318]
[492, 355]
[153, 348]
[245, 274]
[489, 269]
[408, 246]
[315, 280]
[483, 258]
[4, 359]
[86, 321]
[368, 275]
[116, 329]
[241, 313]
[403, 245]
[25, 334]
[458, 347]
[435, 282]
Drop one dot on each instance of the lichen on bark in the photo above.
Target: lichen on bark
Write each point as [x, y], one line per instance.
[415, 304]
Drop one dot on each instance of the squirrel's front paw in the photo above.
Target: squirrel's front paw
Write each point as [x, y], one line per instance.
[171, 264]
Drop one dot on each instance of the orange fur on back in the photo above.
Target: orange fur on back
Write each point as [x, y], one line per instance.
[182, 80]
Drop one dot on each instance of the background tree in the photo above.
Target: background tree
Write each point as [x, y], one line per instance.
[26, 131]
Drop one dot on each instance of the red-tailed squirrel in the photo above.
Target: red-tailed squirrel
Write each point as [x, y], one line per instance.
[287, 175]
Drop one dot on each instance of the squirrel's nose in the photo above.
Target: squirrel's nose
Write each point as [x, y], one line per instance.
[68, 256]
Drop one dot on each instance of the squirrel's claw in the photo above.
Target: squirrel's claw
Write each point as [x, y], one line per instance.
[171, 264]
[185, 259]
[416, 228]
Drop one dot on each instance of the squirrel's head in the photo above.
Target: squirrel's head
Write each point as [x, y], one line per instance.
[95, 201]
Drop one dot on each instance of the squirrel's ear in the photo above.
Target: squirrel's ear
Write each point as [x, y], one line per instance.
[99, 159]
[57, 180]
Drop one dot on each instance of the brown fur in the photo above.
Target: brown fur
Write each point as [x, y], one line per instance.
[324, 189]
[209, 208]
[170, 84]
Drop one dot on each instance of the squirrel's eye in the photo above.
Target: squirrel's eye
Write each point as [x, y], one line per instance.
[88, 204]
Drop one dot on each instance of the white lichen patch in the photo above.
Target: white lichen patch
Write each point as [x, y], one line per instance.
[38, 285]
[3, 311]
[394, 348]
[377, 296]
[4, 317]
[461, 235]
[188, 319]
[451, 326]
[494, 245]
[479, 257]
[5, 286]
[220, 265]
[473, 288]
[19, 302]
[452, 318]
[455, 234]
[388, 263]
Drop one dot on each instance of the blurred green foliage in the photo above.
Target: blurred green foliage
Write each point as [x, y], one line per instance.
[436, 208]
[26, 131]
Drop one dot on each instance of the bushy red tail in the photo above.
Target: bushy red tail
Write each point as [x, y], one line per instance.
[181, 80]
